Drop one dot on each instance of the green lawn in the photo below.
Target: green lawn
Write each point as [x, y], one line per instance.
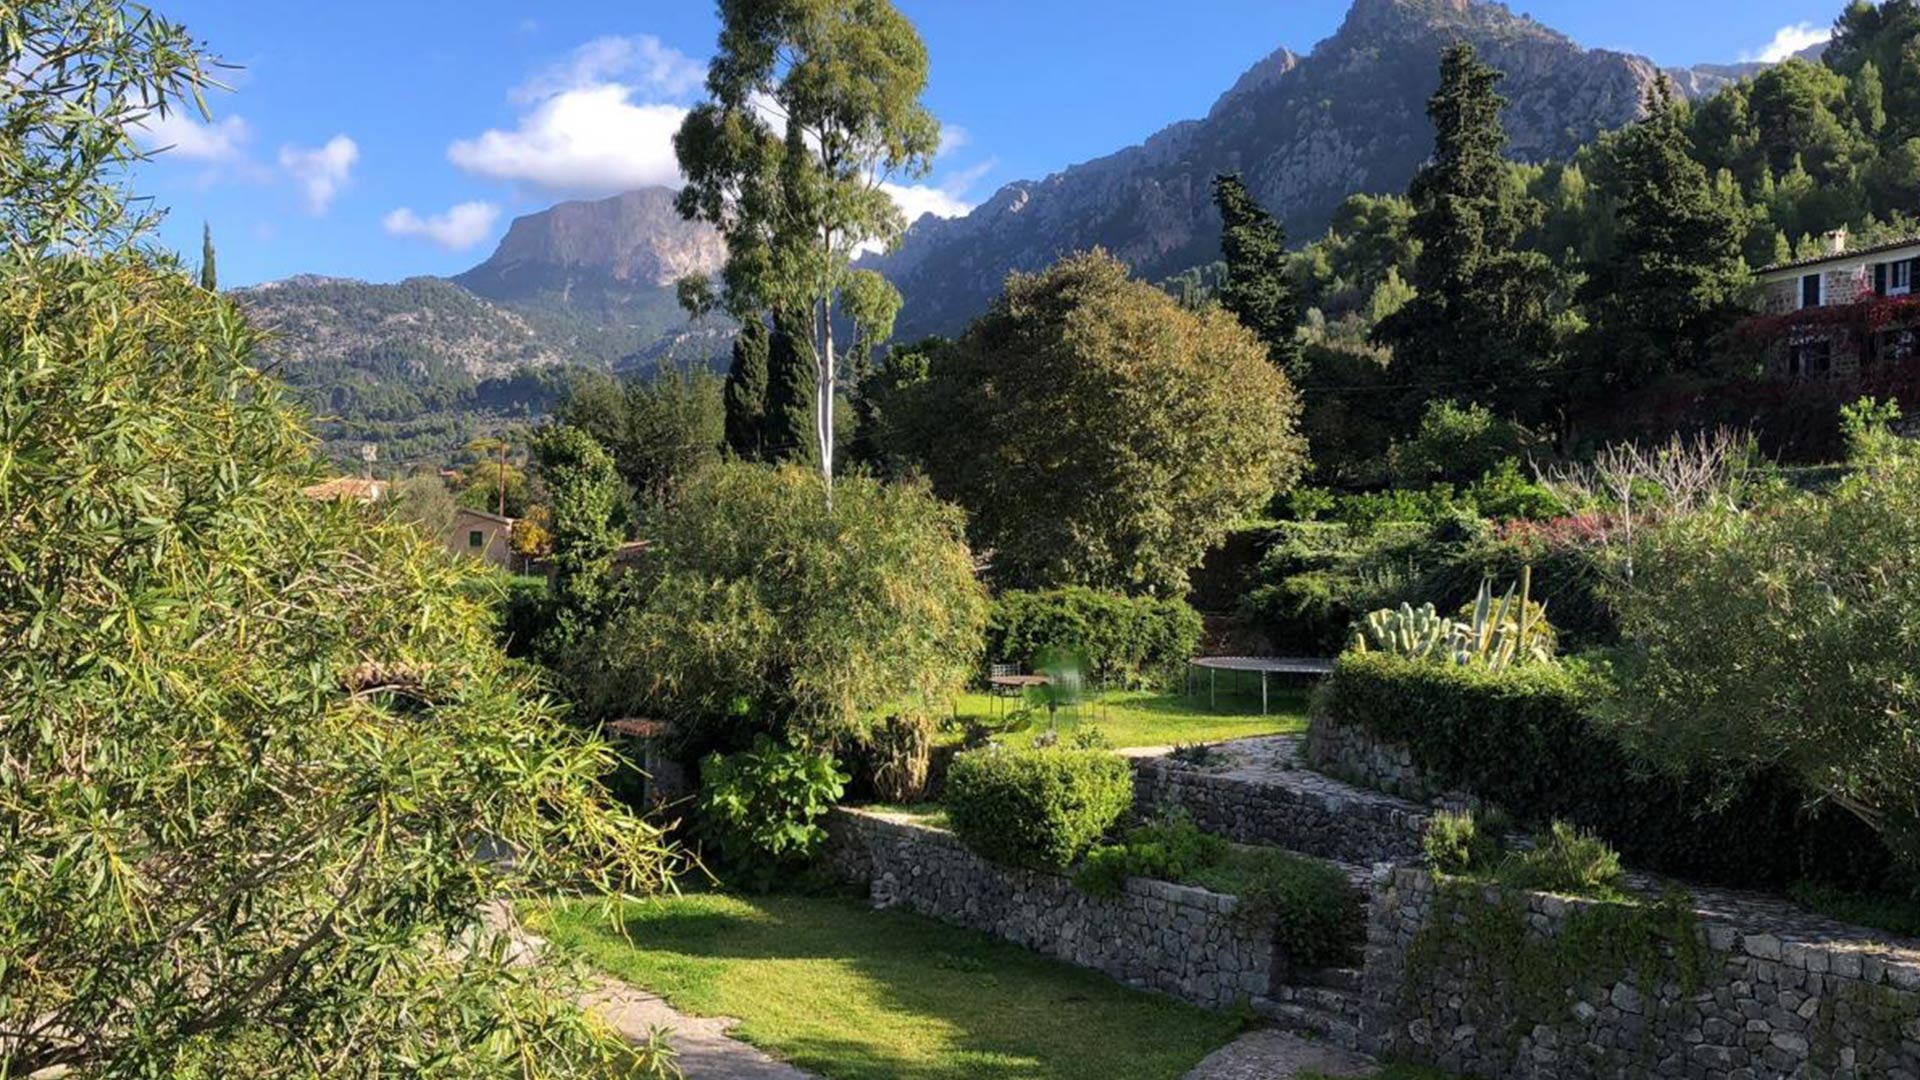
[855, 994]
[1154, 718]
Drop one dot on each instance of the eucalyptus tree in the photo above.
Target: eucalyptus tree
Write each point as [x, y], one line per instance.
[814, 107]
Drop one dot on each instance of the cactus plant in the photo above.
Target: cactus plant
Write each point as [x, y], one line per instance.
[1495, 635]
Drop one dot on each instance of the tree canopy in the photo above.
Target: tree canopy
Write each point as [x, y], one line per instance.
[1098, 433]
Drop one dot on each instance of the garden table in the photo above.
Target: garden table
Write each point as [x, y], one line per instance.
[1265, 665]
[1018, 683]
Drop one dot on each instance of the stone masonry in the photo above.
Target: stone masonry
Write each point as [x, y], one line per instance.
[1175, 939]
[1258, 793]
[1778, 993]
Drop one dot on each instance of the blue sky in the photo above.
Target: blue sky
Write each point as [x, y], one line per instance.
[382, 140]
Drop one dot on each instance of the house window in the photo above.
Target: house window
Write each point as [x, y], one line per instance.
[1810, 291]
[1900, 278]
[1810, 359]
[476, 538]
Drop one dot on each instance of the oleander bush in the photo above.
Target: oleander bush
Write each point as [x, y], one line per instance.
[1525, 739]
[1132, 640]
[1036, 808]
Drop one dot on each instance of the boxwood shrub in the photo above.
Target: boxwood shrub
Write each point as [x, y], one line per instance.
[1036, 808]
[1126, 639]
[1523, 740]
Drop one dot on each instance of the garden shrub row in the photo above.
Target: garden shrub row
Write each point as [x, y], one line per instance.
[1523, 740]
[1036, 808]
[1127, 639]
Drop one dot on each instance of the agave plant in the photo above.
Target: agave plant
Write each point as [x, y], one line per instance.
[1495, 635]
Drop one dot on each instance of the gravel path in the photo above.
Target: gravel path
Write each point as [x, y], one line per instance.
[1267, 1054]
[707, 1052]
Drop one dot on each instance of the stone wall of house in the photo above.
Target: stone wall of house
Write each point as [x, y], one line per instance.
[1766, 992]
[1182, 941]
[1275, 802]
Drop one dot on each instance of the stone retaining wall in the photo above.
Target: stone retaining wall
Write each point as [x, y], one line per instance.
[1263, 797]
[1181, 941]
[1773, 993]
[1351, 753]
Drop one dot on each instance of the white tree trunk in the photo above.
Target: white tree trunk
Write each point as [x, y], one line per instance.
[823, 394]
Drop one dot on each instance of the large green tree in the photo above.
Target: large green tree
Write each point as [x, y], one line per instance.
[1097, 432]
[1675, 272]
[814, 105]
[760, 608]
[261, 753]
[1480, 323]
[1258, 287]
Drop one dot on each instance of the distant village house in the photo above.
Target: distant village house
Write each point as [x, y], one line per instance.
[1842, 314]
[483, 536]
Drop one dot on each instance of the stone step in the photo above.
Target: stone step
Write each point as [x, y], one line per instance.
[1339, 1030]
[1338, 1003]
[1347, 979]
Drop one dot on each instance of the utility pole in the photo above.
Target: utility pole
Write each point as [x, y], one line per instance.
[501, 507]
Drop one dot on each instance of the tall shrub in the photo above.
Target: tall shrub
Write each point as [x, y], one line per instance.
[759, 608]
[1787, 636]
[1126, 639]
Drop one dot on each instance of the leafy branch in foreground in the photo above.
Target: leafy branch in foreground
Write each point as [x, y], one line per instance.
[261, 758]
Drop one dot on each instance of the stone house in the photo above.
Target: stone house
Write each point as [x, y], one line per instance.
[483, 536]
[1840, 315]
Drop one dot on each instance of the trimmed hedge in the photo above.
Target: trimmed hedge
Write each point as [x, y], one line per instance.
[1036, 808]
[1522, 740]
[1130, 639]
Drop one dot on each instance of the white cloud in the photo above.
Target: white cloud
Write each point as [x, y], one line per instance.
[1789, 40]
[459, 228]
[642, 62]
[952, 137]
[322, 170]
[181, 137]
[915, 200]
[590, 140]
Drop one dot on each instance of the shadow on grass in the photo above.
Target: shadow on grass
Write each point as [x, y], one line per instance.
[853, 994]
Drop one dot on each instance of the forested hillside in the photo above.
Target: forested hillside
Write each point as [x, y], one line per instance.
[1609, 278]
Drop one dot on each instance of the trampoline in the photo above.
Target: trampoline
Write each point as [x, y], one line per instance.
[1263, 665]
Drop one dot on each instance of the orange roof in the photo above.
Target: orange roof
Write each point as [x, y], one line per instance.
[347, 487]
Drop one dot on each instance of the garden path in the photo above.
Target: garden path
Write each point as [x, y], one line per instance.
[706, 1051]
[1269, 1054]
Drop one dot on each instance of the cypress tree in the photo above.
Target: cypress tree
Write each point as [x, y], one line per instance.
[788, 431]
[746, 393]
[1670, 283]
[1258, 288]
[209, 276]
[1480, 322]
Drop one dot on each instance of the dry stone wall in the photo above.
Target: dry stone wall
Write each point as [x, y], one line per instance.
[1187, 942]
[1528, 986]
[1260, 794]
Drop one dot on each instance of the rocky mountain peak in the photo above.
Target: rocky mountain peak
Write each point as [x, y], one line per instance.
[636, 239]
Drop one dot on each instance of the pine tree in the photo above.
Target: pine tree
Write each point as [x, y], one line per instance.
[788, 432]
[1258, 287]
[209, 276]
[1671, 280]
[1480, 322]
[746, 392]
